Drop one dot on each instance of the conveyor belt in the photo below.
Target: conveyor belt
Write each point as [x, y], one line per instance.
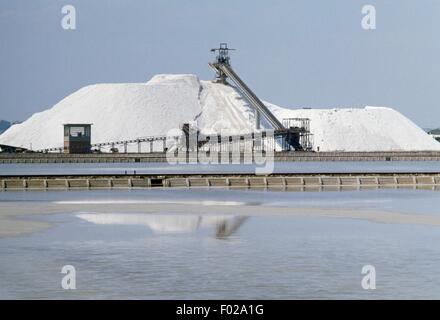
[248, 94]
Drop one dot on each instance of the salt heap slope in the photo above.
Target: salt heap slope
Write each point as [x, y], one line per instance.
[129, 111]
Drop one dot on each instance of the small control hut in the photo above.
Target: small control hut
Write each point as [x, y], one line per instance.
[77, 138]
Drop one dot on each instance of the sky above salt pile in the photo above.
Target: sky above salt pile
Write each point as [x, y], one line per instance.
[292, 53]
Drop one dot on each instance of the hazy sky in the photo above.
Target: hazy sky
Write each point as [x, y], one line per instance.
[292, 53]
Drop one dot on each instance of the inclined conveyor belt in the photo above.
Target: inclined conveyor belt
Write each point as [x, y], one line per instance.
[248, 94]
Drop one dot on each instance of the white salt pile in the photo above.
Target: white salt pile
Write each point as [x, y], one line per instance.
[129, 111]
[362, 129]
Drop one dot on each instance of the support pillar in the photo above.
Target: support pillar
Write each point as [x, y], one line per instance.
[257, 119]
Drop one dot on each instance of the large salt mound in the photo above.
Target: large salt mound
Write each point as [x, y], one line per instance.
[361, 129]
[128, 111]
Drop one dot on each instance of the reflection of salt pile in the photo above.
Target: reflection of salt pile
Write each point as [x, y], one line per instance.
[160, 223]
[128, 111]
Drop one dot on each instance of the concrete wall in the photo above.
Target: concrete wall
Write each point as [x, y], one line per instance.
[286, 182]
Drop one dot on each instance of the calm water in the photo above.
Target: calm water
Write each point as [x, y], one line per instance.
[162, 168]
[188, 256]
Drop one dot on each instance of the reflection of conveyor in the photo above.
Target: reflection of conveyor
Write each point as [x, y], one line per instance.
[225, 228]
[223, 70]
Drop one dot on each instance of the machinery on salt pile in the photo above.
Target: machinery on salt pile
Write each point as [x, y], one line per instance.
[290, 134]
[294, 132]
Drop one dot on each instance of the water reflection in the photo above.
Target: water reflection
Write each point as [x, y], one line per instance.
[224, 226]
[227, 227]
